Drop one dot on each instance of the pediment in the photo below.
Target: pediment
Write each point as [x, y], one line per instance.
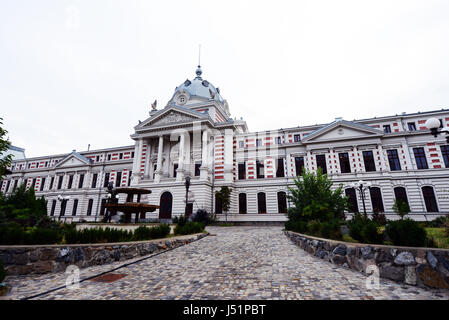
[72, 160]
[342, 130]
[171, 116]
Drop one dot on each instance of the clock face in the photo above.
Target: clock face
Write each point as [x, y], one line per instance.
[182, 99]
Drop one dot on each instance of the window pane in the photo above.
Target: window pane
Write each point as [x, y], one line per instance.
[429, 199]
[400, 194]
[445, 154]
[280, 168]
[376, 199]
[299, 164]
[393, 160]
[242, 203]
[321, 162]
[345, 166]
[352, 200]
[368, 159]
[282, 202]
[261, 203]
[420, 157]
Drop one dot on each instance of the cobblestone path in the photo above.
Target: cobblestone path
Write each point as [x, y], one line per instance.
[231, 263]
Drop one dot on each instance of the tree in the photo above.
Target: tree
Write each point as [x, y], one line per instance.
[401, 208]
[224, 196]
[313, 199]
[4, 146]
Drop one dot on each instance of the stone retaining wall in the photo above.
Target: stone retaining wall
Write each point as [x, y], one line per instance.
[422, 267]
[40, 259]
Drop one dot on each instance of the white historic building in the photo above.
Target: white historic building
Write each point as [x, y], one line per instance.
[194, 135]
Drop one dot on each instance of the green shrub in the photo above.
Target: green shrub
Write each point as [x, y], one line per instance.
[201, 215]
[379, 218]
[331, 230]
[189, 228]
[2, 272]
[296, 226]
[44, 236]
[406, 232]
[160, 231]
[180, 221]
[362, 229]
[142, 233]
[401, 208]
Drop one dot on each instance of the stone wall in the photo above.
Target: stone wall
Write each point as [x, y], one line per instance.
[423, 267]
[40, 259]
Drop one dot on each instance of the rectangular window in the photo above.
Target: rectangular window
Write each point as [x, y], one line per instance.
[241, 144]
[280, 168]
[299, 164]
[118, 179]
[260, 171]
[132, 154]
[89, 207]
[387, 128]
[297, 138]
[53, 207]
[15, 184]
[445, 154]
[321, 162]
[345, 166]
[7, 186]
[52, 180]
[60, 182]
[393, 160]
[33, 184]
[411, 126]
[197, 169]
[420, 157]
[120, 156]
[75, 206]
[42, 184]
[109, 157]
[106, 179]
[94, 180]
[46, 164]
[175, 167]
[130, 174]
[242, 171]
[258, 142]
[69, 185]
[81, 181]
[97, 158]
[278, 140]
[368, 159]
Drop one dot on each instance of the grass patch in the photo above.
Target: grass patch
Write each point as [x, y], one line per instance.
[440, 239]
[348, 238]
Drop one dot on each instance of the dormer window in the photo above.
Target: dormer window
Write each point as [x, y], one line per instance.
[387, 128]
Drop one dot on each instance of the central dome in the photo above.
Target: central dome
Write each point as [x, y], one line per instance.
[199, 88]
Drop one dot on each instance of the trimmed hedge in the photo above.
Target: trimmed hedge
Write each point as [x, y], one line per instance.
[2, 272]
[189, 227]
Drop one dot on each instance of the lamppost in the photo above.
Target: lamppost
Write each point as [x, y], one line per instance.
[362, 186]
[187, 184]
[63, 201]
[433, 124]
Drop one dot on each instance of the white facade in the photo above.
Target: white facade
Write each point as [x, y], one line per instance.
[194, 135]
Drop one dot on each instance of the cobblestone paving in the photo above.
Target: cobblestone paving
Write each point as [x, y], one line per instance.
[232, 263]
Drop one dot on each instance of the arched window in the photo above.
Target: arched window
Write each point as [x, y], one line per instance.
[400, 194]
[53, 207]
[376, 199]
[282, 202]
[261, 202]
[429, 199]
[352, 200]
[165, 205]
[242, 203]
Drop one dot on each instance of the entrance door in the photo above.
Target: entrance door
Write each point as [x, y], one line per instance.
[165, 205]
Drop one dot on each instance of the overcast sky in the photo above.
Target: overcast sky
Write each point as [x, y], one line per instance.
[79, 72]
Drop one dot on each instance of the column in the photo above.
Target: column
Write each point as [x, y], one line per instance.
[204, 157]
[157, 177]
[180, 170]
[136, 162]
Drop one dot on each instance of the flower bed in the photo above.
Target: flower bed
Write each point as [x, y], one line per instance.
[423, 267]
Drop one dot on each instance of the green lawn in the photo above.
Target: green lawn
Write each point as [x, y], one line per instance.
[441, 240]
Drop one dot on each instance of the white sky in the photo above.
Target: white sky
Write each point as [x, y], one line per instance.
[74, 72]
